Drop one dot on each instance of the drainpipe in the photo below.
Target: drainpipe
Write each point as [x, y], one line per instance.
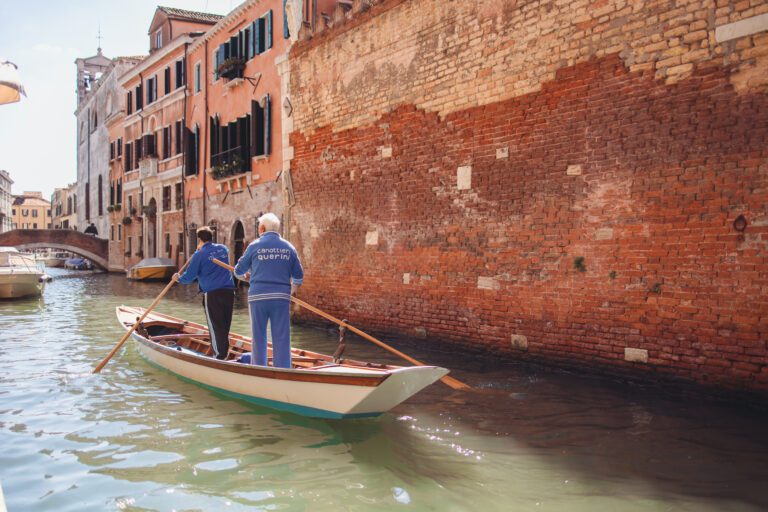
[183, 172]
[205, 123]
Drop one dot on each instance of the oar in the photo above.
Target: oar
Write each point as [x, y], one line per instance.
[146, 312]
[450, 381]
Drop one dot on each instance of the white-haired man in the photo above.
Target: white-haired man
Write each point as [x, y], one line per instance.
[274, 272]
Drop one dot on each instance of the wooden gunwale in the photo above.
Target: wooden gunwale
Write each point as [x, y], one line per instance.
[301, 375]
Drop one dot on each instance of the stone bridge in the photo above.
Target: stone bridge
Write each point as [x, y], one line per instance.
[87, 246]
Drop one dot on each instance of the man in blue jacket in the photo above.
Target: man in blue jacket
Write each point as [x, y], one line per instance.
[217, 286]
[274, 272]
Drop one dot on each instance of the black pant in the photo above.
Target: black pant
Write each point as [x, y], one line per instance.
[218, 306]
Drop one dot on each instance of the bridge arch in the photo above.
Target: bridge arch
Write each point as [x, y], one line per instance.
[88, 246]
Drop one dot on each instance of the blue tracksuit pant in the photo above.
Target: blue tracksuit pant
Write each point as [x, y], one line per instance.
[277, 313]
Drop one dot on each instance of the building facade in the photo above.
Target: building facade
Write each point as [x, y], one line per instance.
[234, 150]
[31, 211]
[148, 142]
[6, 201]
[99, 96]
[64, 207]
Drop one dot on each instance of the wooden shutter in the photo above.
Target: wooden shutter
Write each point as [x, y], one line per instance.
[286, 31]
[257, 128]
[267, 125]
[129, 103]
[254, 39]
[269, 30]
[154, 88]
[189, 150]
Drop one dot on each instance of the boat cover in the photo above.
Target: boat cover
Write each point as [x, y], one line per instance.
[155, 262]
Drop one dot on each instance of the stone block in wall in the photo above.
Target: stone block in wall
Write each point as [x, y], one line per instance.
[372, 238]
[464, 177]
[519, 342]
[635, 355]
[487, 283]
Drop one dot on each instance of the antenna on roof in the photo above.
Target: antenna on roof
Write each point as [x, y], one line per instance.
[99, 38]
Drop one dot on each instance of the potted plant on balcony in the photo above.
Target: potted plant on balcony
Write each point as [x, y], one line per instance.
[126, 220]
[110, 208]
[133, 210]
[231, 68]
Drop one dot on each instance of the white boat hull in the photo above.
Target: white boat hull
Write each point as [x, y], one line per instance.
[330, 391]
[15, 284]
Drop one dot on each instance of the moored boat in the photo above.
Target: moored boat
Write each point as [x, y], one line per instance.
[20, 274]
[151, 269]
[316, 386]
[78, 264]
[55, 259]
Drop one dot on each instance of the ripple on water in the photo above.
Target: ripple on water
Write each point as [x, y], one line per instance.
[135, 437]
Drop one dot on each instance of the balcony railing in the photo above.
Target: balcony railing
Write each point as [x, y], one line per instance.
[228, 163]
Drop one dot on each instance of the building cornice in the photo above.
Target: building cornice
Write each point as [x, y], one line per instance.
[224, 22]
[153, 59]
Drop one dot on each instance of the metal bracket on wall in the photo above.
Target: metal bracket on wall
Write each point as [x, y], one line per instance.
[253, 80]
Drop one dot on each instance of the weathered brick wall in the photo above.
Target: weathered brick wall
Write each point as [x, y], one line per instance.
[554, 179]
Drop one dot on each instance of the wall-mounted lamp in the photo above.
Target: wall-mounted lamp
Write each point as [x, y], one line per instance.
[740, 224]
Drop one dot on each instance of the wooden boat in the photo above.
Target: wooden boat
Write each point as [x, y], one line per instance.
[20, 274]
[316, 386]
[150, 269]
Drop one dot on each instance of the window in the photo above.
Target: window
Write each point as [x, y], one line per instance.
[179, 136]
[119, 232]
[231, 146]
[180, 242]
[167, 198]
[24, 225]
[166, 142]
[119, 147]
[151, 89]
[167, 80]
[197, 78]
[179, 196]
[193, 150]
[138, 97]
[138, 150]
[25, 212]
[34, 225]
[13, 211]
[111, 151]
[34, 213]
[168, 244]
[181, 79]
[129, 103]
[128, 245]
[111, 231]
[99, 197]
[48, 212]
[128, 157]
[261, 131]
[159, 39]
[130, 204]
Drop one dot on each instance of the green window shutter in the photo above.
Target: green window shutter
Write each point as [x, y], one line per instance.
[269, 30]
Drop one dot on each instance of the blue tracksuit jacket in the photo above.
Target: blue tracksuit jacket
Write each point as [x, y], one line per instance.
[273, 263]
[209, 275]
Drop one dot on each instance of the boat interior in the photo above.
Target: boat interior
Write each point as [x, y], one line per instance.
[186, 336]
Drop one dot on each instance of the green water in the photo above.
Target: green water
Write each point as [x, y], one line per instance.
[137, 438]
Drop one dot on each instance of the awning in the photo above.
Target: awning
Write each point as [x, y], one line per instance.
[10, 84]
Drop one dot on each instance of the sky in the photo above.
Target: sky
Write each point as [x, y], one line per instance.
[43, 38]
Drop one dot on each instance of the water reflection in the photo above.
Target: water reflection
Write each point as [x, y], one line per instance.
[138, 438]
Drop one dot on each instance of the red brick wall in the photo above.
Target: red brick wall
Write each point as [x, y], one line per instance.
[637, 174]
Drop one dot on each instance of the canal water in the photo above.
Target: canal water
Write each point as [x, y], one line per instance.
[137, 438]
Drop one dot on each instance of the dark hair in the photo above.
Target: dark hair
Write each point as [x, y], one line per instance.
[205, 234]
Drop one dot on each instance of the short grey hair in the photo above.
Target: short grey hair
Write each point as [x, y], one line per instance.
[270, 222]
